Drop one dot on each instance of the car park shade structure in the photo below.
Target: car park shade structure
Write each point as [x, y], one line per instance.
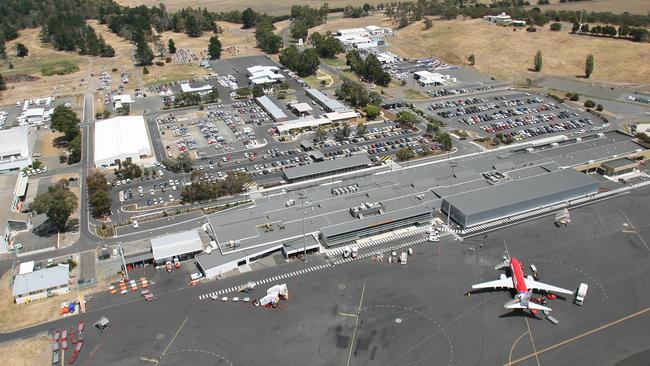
[325, 168]
[273, 110]
[185, 243]
[516, 196]
[329, 104]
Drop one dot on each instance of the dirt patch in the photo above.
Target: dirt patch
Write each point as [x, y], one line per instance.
[509, 54]
[27, 351]
[46, 144]
[614, 6]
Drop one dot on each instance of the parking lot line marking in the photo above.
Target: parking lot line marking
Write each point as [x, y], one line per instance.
[174, 337]
[579, 336]
[356, 322]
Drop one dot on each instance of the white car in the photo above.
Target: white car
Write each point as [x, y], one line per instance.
[171, 198]
[196, 276]
[140, 189]
[151, 192]
[135, 224]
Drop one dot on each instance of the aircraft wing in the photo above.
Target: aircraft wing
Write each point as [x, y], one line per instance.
[540, 286]
[500, 283]
[516, 304]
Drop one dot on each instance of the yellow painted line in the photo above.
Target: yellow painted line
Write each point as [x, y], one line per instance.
[579, 336]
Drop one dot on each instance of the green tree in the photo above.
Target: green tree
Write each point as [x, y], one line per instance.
[575, 27]
[556, 27]
[372, 111]
[308, 63]
[3, 47]
[257, 91]
[289, 57]
[243, 92]
[58, 203]
[589, 103]
[75, 150]
[100, 203]
[362, 129]
[143, 53]
[3, 85]
[235, 181]
[64, 119]
[589, 66]
[405, 154]
[432, 128]
[95, 182]
[445, 140]
[320, 134]
[171, 46]
[538, 61]
[21, 50]
[192, 26]
[471, 59]
[407, 119]
[343, 133]
[128, 170]
[299, 30]
[248, 18]
[214, 48]
[145, 71]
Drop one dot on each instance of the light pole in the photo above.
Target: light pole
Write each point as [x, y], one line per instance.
[304, 238]
[451, 185]
[126, 271]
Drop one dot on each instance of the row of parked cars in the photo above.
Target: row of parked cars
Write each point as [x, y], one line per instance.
[545, 129]
[30, 172]
[455, 91]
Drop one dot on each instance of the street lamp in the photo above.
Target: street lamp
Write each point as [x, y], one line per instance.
[451, 186]
[304, 238]
[126, 271]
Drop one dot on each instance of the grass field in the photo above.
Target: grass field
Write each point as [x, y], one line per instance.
[36, 350]
[508, 55]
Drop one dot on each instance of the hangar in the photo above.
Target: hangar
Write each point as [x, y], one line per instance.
[16, 145]
[516, 196]
[121, 139]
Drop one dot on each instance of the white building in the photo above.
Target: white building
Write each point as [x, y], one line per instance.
[16, 145]
[122, 139]
[354, 40]
[263, 75]
[386, 58]
[13, 188]
[378, 31]
[34, 116]
[502, 18]
[341, 116]
[312, 123]
[122, 100]
[353, 32]
[427, 78]
[201, 90]
[40, 284]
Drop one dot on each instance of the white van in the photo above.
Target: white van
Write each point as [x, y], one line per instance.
[581, 293]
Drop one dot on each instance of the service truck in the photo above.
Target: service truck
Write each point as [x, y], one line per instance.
[581, 293]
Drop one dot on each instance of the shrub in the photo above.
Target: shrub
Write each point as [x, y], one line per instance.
[168, 60]
[145, 71]
[556, 27]
[160, 63]
[114, 69]
[599, 107]
[574, 97]
[589, 103]
[282, 95]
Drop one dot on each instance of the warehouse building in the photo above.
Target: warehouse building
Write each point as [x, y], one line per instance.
[301, 109]
[264, 75]
[40, 284]
[515, 196]
[123, 100]
[201, 90]
[302, 124]
[272, 109]
[16, 145]
[122, 139]
[329, 167]
[183, 245]
[427, 78]
[328, 104]
[341, 116]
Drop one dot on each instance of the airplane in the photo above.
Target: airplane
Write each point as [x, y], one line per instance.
[524, 285]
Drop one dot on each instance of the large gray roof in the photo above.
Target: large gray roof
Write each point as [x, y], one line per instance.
[372, 221]
[270, 107]
[332, 104]
[520, 190]
[172, 245]
[41, 280]
[350, 162]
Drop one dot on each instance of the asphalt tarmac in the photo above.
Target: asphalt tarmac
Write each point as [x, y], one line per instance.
[364, 313]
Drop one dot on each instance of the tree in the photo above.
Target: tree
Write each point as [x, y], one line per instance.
[445, 140]
[64, 119]
[21, 50]
[257, 91]
[575, 27]
[145, 71]
[171, 46]
[556, 27]
[3, 47]
[372, 111]
[538, 61]
[343, 133]
[100, 203]
[407, 119]
[589, 66]
[405, 154]
[299, 30]
[321, 133]
[143, 53]
[58, 203]
[235, 181]
[471, 59]
[248, 18]
[128, 170]
[74, 147]
[3, 85]
[361, 129]
[589, 103]
[289, 57]
[308, 63]
[214, 48]
[192, 26]
[243, 92]
[432, 128]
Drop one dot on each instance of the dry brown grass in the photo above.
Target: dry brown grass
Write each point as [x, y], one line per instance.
[507, 54]
[614, 6]
[36, 350]
[46, 144]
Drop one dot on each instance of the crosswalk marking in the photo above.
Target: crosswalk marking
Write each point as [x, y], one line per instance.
[337, 251]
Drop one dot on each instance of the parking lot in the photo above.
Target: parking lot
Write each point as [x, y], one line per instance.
[512, 115]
